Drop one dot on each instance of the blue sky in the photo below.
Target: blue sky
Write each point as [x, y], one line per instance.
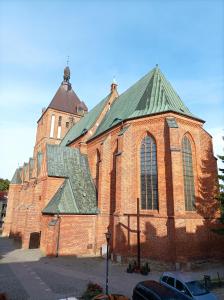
[125, 39]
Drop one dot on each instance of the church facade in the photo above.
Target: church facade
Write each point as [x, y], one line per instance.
[137, 162]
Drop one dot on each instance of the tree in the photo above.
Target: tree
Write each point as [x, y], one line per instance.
[221, 189]
[4, 184]
[220, 197]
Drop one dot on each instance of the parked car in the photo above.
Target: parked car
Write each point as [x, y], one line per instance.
[152, 290]
[185, 285]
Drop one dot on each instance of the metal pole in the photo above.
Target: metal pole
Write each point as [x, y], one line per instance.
[58, 237]
[138, 236]
[107, 268]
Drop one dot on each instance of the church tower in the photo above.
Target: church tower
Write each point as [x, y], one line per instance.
[62, 113]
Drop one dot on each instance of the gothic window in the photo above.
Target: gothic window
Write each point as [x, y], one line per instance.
[59, 127]
[59, 120]
[52, 126]
[97, 169]
[188, 174]
[149, 180]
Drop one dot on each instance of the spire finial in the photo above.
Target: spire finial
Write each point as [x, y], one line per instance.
[67, 71]
[157, 66]
[114, 84]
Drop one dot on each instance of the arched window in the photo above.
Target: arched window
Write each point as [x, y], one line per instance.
[149, 180]
[97, 169]
[188, 173]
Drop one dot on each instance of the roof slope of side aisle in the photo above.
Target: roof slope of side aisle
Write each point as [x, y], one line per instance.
[16, 179]
[77, 195]
[152, 94]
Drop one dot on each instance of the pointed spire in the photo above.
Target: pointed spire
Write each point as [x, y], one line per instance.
[114, 84]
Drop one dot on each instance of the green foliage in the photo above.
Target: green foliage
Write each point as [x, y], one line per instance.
[4, 184]
[93, 289]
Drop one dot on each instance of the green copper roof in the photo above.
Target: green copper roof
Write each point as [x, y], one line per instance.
[85, 123]
[77, 195]
[16, 179]
[150, 95]
[63, 201]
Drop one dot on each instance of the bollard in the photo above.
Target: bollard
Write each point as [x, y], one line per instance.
[207, 281]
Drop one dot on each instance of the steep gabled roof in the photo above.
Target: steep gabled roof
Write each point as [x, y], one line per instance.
[63, 201]
[66, 100]
[152, 94]
[83, 125]
[77, 195]
[16, 179]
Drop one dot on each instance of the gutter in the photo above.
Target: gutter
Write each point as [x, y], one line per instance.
[139, 117]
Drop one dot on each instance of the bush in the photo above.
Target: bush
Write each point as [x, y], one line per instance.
[93, 289]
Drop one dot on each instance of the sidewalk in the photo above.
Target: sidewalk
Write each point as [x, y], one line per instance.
[27, 274]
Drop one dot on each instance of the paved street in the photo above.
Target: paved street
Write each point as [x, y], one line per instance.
[27, 274]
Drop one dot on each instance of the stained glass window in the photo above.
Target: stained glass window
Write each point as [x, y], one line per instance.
[188, 173]
[149, 180]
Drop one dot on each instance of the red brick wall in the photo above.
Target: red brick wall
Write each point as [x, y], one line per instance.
[13, 198]
[77, 235]
[170, 233]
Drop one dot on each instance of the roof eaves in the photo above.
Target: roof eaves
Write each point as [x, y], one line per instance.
[73, 141]
[143, 116]
[73, 214]
[75, 114]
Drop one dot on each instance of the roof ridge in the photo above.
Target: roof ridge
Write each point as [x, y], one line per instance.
[171, 93]
[137, 82]
[151, 94]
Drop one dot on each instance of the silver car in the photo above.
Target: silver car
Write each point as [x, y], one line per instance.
[185, 285]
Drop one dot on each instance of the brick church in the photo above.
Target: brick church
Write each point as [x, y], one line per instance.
[89, 169]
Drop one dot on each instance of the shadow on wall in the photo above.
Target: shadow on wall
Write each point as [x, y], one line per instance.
[188, 237]
[17, 238]
[206, 204]
[165, 239]
[34, 239]
[200, 244]
[112, 195]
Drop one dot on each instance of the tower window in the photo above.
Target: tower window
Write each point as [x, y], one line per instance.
[59, 120]
[67, 124]
[52, 126]
[149, 180]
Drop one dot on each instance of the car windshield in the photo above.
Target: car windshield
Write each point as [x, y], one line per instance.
[196, 288]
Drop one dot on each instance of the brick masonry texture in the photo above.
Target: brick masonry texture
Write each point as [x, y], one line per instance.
[168, 234]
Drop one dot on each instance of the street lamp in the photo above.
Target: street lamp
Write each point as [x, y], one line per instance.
[108, 236]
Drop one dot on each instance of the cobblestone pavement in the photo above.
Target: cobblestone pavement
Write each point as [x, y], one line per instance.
[27, 274]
